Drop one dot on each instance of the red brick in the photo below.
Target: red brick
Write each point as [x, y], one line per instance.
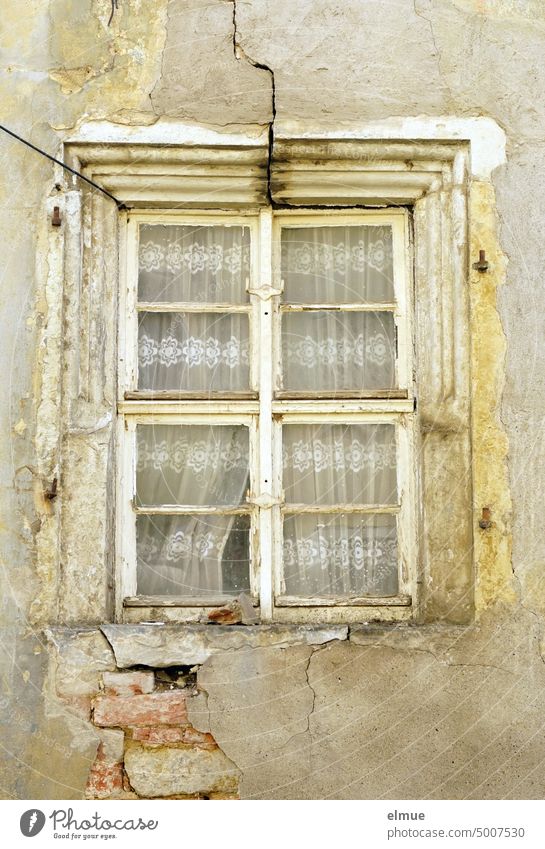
[105, 778]
[199, 738]
[128, 683]
[166, 735]
[158, 736]
[167, 708]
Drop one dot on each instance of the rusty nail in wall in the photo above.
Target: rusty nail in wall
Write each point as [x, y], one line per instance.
[485, 521]
[482, 265]
[51, 492]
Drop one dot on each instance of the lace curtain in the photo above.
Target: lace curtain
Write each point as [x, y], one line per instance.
[339, 554]
[324, 554]
[337, 350]
[192, 465]
[193, 351]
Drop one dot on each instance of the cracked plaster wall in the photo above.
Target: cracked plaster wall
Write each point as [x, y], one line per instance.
[351, 718]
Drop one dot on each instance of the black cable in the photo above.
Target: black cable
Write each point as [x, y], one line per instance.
[114, 7]
[63, 165]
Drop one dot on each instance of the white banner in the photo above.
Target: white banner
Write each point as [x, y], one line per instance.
[280, 824]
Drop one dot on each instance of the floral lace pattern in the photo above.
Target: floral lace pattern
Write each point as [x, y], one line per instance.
[318, 455]
[354, 552]
[197, 455]
[318, 259]
[194, 258]
[310, 353]
[180, 545]
[193, 351]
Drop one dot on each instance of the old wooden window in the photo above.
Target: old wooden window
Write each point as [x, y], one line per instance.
[266, 412]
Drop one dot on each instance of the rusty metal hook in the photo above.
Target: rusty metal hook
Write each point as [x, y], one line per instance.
[482, 265]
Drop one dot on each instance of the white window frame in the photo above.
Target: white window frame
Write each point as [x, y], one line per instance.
[264, 412]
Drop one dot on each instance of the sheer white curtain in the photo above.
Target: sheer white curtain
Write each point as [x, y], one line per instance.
[191, 350]
[192, 465]
[326, 350]
[195, 555]
[339, 554]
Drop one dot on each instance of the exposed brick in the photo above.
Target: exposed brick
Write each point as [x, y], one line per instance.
[158, 736]
[105, 778]
[128, 683]
[167, 708]
[170, 734]
[199, 738]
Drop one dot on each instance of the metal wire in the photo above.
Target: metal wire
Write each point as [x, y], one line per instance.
[120, 205]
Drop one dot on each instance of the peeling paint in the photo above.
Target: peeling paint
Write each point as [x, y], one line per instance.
[493, 546]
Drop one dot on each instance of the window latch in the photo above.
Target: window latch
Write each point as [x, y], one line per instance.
[266, 291]
[265, 501]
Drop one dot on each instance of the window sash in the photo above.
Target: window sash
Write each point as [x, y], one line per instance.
[404, 509]
[129, 510]
[266, 410]
[398, 221]
[131, 307]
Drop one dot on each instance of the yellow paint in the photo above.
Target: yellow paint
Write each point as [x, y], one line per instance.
[493, 547]
[73, 79]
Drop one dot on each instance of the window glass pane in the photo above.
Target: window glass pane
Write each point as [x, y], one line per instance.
[192, 464]
[347, 555]
[192, 263]
[193, 351]
[192, 555]
[334, 265]
[336, 351]
[339, 464]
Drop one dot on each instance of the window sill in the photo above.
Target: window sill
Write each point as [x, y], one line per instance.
[288, 611]
[149, 601]
[161, 645]
[368, 601]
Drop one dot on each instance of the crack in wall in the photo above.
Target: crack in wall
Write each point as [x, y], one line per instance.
[435, 47]
[537, 616]
[314, 652]
[161, 69]
[239, 54]
[443, 660]
[237, 770]
[313, 691]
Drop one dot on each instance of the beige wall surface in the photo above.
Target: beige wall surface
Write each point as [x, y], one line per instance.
[436, 712]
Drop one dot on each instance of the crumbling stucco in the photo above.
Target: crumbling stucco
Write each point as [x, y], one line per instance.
[492, 546]
[408, 713]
